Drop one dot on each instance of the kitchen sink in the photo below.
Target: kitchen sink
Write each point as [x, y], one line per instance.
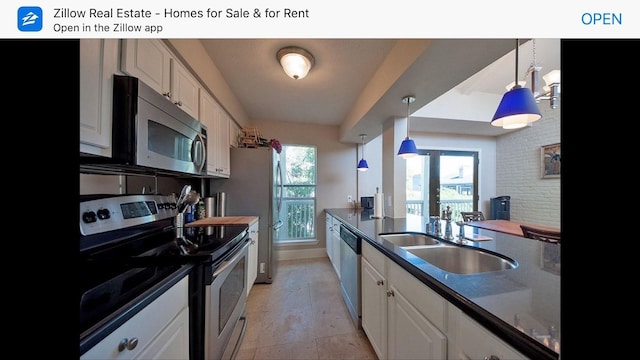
[409, 239]
[461, 260]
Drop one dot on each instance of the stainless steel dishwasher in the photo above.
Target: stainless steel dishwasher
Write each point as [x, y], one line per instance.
[350, 253]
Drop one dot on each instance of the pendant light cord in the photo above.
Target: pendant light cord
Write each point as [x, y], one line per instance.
[408, 108]
[517, 50]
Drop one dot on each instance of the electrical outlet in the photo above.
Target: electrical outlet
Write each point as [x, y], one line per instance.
[349, 199]
[262, 269]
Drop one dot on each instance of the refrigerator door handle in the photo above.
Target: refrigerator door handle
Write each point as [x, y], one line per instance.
[279, 185]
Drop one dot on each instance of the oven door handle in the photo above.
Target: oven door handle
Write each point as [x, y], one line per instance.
[225, 264]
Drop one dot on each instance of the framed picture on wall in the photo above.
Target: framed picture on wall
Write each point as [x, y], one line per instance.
[550, 161]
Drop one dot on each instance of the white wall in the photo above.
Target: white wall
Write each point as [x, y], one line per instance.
[533, 199]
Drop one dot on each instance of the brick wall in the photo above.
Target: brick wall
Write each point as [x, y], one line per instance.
[533, 199]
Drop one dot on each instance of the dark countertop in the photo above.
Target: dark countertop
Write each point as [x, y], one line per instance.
[531, 291]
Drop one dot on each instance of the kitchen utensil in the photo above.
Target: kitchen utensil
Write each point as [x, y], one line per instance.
[182, 199]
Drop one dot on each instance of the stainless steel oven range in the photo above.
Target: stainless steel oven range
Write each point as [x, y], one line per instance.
[128, 249]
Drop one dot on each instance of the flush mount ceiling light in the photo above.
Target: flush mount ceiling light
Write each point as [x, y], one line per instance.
[362, 165]
[518, 107]
[408, 147]
[295, 61]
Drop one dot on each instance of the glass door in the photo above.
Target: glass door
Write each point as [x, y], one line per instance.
[437, 178]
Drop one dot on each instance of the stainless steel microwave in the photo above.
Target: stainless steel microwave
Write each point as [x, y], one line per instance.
[152, 134]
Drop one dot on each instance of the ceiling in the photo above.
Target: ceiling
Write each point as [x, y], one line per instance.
[359, 83]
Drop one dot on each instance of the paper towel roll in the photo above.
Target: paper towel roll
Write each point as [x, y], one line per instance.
[378, 205]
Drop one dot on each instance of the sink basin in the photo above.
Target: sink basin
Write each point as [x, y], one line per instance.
[409, 239]
[461, 260]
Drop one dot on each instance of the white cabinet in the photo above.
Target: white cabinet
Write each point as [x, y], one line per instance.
[153, 63]
[252, 273]
[374, 307]
[98, 64]
[328, 234]
[159, 331]
[335, 246]
[470, 340]
[213, 116]
[402, 317]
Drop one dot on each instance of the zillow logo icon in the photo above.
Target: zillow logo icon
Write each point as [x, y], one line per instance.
[30, 18]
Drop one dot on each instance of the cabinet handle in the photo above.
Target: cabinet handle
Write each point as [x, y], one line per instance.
[179, 103]
[127, 344]
[491, 357]
[390, 293]
[134, 342]
[123, 344]
[167, 94]
[380, 282]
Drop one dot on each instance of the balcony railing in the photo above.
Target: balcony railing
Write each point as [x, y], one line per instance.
[417, 207]
[298, 216]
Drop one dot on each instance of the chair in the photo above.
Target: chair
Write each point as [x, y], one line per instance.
[472, 216]
[540, 234]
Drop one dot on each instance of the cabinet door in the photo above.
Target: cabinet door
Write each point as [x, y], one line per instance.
[410, 334]
[218, 155]
[335, 246]
[172, 343]
[162, 320]
[374, 308]
[328, 236]
[98, 63]
[150, 61]
[224, 154]
[470, 340]
[252, 273]
[185, 89]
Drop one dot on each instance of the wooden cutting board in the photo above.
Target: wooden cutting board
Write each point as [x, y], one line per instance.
[225, 220]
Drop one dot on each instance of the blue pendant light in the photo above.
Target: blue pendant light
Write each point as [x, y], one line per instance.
[362, 165]
[408, 147]
[518, 107]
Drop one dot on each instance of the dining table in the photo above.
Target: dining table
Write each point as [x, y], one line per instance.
[507, 226]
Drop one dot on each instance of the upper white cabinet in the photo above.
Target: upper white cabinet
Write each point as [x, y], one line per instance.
[152, 62]
[98, 64]
[213, 116]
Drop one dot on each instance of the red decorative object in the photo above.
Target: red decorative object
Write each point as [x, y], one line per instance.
[275, 144]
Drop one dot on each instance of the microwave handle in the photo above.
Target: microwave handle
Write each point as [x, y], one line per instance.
[199, 152]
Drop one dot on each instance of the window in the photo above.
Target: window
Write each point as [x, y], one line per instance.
[298, 210]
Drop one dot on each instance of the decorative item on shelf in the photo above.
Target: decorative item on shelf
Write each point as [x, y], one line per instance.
[518, 107]
[275, 144]
[250, 137]
[295, 61]
[408, 147]
[362, 165]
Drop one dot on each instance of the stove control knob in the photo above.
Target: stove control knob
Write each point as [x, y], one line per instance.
[104, 214]
[89, 217]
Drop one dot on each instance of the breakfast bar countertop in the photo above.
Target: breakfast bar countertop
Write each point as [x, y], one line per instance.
[518, 305]
[506, 226]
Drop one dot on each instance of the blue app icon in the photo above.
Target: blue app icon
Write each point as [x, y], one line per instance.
[29, 18]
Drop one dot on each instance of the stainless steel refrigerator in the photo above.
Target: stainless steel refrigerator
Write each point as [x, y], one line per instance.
[255, 188]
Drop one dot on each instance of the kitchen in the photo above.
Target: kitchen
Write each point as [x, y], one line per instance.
[338, 153]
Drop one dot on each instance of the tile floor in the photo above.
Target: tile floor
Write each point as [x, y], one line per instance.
[301, 315]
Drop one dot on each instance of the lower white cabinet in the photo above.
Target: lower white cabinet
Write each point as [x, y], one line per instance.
[328, 235]
[252, 273]
[159, 331]
[335, 246]
[470, 340]
[402, 318]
